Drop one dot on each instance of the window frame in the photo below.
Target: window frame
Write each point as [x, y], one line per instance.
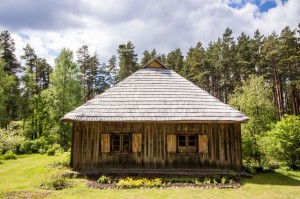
[121, 143]
[187, 148]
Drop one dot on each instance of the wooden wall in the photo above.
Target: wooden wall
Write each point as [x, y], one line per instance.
[222, 152]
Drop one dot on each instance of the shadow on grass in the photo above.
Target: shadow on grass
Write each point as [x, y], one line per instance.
[274, 178]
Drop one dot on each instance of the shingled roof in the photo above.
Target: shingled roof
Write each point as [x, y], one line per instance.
[155, 94]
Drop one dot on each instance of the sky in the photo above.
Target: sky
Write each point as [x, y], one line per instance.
[164, 25]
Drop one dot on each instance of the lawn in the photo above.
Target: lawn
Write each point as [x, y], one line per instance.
[21, 178]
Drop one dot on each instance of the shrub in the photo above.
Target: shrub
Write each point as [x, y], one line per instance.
[10, 139]
[132, 183]
[54, 148]
[206, 181]
[33, 146]
[181, 180]
[104, 180]
[223, 180]
[56, 182]
[215, 181]
[285, 145]
[51, 152]
[9, 156]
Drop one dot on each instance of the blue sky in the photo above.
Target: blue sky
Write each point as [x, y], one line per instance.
[262, 5]
[50, 25]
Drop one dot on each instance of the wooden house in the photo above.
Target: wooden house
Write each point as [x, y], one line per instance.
[155, 119]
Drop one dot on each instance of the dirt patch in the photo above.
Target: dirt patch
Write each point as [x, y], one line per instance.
[95, 185]
[26, 194]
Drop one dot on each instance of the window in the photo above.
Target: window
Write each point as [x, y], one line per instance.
[187, 144]
[121, 143]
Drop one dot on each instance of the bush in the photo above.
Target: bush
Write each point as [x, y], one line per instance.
[10, 139]
[224, 180]
[33, 146]
[181, 180]
[53, 149]
[9, 156]
[104, 180]
[56, 182]
[206, 181]
[285, 141]
[131, 183]
[51, 152]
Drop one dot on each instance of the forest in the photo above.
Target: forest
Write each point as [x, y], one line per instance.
[258, 75]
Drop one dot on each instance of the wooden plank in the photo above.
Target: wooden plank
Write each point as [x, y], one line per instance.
[203, 144]
[136, 142]
[105, 143]
[171, 143]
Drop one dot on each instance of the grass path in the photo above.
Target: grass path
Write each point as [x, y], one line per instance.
[20, 178]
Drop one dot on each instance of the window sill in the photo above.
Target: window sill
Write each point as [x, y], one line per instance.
[120, 153]
[185, 154]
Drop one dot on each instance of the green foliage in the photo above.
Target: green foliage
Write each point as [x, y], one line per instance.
[180, 180]
[104, 180]
[53, 149]
[207, 181]
[175, 60]
[11, 139]
[7, 82]
[137, 183]
[10, 156]
[56, 182]
[62, 163]
[127, 60]
[33, 146]
[254, 99]
[284, 141]
[64, 93]
[224, 179]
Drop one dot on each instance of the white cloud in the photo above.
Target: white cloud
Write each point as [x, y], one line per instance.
[163, 25]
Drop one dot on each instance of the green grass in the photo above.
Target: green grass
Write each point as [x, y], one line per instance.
[21, 178]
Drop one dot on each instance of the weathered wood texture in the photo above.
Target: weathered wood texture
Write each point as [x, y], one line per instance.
[154, 146]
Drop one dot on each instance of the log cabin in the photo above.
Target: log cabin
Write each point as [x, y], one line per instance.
[155, 119]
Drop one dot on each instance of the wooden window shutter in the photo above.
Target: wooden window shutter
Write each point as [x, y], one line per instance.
[105, 143]
[171, 143]
[203, 144]
[136, 142]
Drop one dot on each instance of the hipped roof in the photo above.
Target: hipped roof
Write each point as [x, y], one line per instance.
[155, 94]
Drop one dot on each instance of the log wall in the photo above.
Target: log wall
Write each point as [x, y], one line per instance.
[222, 151]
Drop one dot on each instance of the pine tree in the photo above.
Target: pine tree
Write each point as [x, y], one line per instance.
[175, 60]
[213, 61]
[244, 67]
[272, 71]
[127, 60]
[290, 72]
[195, 67]
[6, 82]
[227, 64]
[112, 71]
[255, 51]
[11, 67]
[146, 58]
[83, 59]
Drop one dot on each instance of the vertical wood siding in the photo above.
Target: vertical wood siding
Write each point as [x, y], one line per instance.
[154, 146]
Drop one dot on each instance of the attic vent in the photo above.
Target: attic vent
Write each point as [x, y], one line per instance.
[154, 64]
